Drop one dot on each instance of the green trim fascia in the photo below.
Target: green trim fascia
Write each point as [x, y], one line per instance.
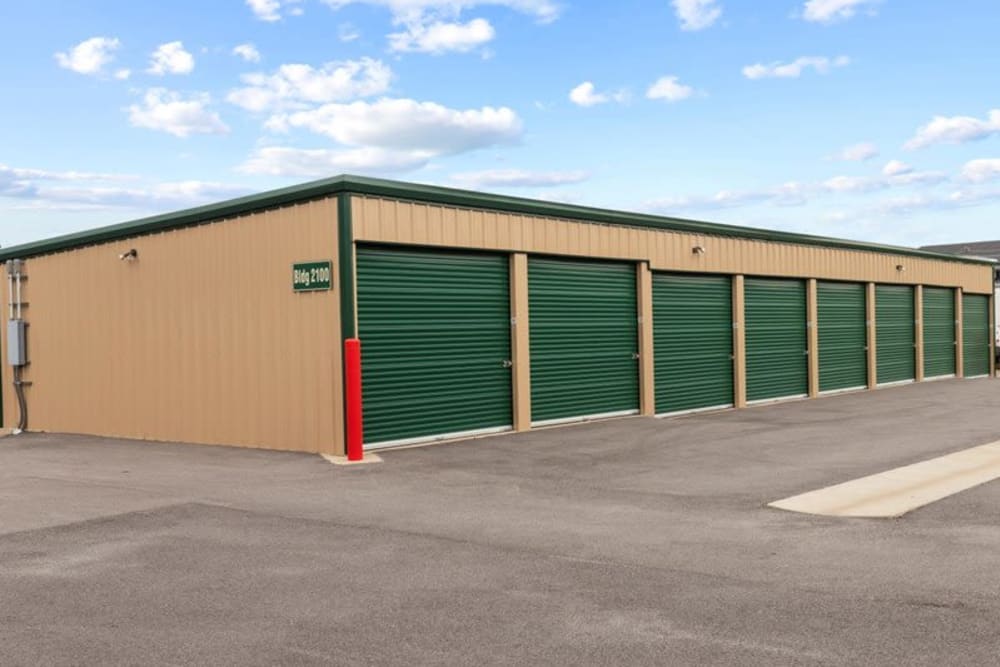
[444, 196]
[345, 257]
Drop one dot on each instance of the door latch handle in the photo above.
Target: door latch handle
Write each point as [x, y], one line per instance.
[507, 363]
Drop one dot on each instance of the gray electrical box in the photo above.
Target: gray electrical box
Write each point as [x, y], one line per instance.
[17, 353]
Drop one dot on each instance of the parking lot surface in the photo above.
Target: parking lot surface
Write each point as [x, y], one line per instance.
[635, 541]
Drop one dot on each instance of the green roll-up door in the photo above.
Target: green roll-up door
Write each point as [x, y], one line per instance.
[895, 338]
[584, 339]
[843, 337]
[975, 335]
[776, 341]
[435, 333]
[693, 341]
[939, 332]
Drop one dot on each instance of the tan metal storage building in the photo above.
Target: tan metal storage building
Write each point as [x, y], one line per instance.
[476, 313]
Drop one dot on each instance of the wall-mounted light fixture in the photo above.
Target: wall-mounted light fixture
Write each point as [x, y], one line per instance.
[129, 256]
[698, 250]
[900, 267]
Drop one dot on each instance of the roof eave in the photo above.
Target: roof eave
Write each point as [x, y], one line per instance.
[435, 195]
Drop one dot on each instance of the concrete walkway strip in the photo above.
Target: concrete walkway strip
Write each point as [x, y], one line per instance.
[895, 492]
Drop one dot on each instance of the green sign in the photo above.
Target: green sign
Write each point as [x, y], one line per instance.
[312, 276]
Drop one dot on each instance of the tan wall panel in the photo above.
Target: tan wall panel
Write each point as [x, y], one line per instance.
[871, 335]
[959, 342]
[200, 340]
[918, 310]
[381, 220]
[739, 343]
[993, 335]
[812, 322]
[647, 380]
[9, 404]
[520, 341]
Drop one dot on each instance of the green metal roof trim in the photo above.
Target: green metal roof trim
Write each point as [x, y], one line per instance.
[436, 195]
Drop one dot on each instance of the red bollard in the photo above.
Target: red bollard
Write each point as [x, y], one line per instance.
[352, 399]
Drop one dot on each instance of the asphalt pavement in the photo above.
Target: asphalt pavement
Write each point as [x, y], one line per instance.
[626, 542]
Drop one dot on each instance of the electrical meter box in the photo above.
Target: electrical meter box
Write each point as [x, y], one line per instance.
[17, 354]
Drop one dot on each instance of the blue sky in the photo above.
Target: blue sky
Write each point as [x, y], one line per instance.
[868, 119]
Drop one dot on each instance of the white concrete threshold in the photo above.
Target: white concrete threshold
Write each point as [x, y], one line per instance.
[342, 460]
[895, 492]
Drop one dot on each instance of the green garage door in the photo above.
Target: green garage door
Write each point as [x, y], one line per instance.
[584, 339]
[975, 335]
[939, 332]
[776, 342]
[843, 337]
[693, 339]
[435, 333]
[895, 339]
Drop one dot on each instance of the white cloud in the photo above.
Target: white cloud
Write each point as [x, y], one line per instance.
[247, 52]
[347, 32]
[61, 190]
[168, 111]
[794, 69]
[720, 200]
[296, 85]
[18, 173]
[955, 130]
[123, 74]
[560, 196]
[22, 182]
[171, 58]
[89, 56]
[857, 152]
[407, 125]
[696, 14]
[981, 170]
[791, 193]
[160, 195]
[730, 198]
[266, 10]
[404, 11]
[432, 26]
[585, 95]
[829, 11]
[794, 193]
[861, 184]
[316, 163]
[854, 184]
[518, 178]
[910, 204]
[917, 178]
[271, 10]
[670, 89]
[896, 168]
[440, 37]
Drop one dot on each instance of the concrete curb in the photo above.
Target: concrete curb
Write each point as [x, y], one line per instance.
[342, 460]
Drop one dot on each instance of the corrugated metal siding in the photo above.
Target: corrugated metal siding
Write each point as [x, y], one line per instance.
[776, 340]
[200, 340]
[976, 334]
[391, 221]
[894, 333]
[693, 339]
[843, 357]
[435, 331]
[939, 332]
[584, 335]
